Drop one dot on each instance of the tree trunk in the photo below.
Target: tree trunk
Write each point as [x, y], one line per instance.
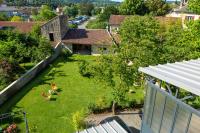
[113, 108]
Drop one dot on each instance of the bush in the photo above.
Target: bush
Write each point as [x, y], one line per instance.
[96, 24]
[65, 53]
[73, 26]
[85, 69]
[9, 71]
[100, 105]
[78, 120]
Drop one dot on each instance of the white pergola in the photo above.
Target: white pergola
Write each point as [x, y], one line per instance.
[185, 75]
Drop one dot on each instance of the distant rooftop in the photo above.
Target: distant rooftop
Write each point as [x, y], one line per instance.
[118, 19]
[185, 75]
[22, 26]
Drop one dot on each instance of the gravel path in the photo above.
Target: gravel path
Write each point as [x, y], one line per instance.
[131, 118]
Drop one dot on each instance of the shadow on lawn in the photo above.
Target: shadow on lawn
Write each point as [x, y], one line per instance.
[43, 78]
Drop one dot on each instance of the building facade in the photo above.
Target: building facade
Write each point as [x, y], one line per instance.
[56, 28]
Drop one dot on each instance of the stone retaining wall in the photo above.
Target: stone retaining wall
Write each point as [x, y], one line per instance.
[14, 87]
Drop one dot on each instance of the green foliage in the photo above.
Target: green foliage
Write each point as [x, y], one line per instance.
[78, 120]
[71, 11]
[96, 11]
[9, 71]
[194, 5]
[109, 10]
[73, 26]
[131, 7]
[3, 17]
[100, 105]
[18, 48]
[85, 69]
[96, 24]
[157, 7]
[86, 8]
[45, 14]
[16, 18]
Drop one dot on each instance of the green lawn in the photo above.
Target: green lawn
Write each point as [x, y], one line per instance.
[76, 92]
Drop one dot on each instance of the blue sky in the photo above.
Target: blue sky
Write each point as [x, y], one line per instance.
[122, 0]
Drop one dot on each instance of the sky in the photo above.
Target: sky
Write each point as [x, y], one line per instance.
[122, 0]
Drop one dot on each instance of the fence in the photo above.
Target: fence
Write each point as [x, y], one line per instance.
[28, 76]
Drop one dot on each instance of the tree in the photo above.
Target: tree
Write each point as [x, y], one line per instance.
[71, 11]
[131, 7]
[86, 8]
[45, 14]
[157, 7]
[109, 10]
[9, 70]
[3, 17]
[16, 18]
[194, 5]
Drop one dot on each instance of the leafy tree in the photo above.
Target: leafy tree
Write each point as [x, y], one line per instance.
[109, 10]
[96, 11]
[3, 17]
[131, 7]
[9, 70]
[86, 8]
[157, 7]
[71, 11]
[45, 14]
[16, 18]
[194, 5]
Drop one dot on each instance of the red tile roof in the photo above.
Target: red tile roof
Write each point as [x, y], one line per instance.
[87, 37]
[22, 26]
[117, 19]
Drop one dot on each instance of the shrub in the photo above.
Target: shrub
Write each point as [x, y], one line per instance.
[96, 24]
[16, 18]
[9, 71]
[66, 53]
[73, 26]
[85, 69]
[78, 120]
[101, 105]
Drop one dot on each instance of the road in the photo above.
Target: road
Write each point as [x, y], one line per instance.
[83, 25]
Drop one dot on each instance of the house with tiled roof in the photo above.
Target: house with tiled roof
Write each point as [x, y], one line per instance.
[79, 41]
[22, 26]
[115, 22]
[183, 13]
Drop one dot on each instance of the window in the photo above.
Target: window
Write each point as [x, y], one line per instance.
[189, 18]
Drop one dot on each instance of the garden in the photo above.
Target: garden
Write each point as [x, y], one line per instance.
[74, 92]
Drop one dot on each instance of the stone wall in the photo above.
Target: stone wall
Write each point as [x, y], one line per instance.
[57, 26]
[14, 87]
